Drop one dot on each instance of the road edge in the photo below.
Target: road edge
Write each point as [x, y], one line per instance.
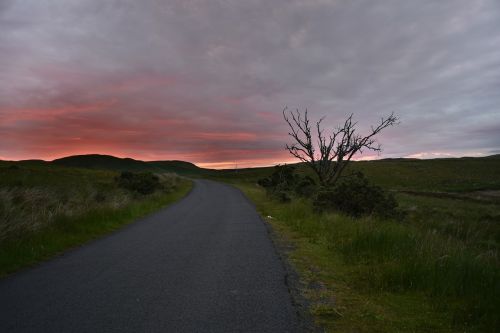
[292, 281]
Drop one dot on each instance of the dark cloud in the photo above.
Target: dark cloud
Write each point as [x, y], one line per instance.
[206, 81]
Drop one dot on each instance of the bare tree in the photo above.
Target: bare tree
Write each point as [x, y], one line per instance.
[329, 156]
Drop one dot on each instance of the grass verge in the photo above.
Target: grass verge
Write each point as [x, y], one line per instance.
[368, 275]
[69, 231]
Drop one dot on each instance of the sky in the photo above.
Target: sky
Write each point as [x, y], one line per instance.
[206, 81]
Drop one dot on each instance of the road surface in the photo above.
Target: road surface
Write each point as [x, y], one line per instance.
[204, 264]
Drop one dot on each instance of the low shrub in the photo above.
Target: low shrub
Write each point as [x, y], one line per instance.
[283, 177]
[280, 193]
[355, 196]
[283, 183]
[306, 187]
[265, 183]
[140, 182]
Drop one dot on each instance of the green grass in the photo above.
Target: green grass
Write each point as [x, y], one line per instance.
[46, 209]
[443, 175]
[435, 270]
[448, 175]
[455, 175]
[475, 224]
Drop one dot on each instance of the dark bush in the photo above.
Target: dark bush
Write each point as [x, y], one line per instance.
[265, 182]
[284, 177]
[280, 193]
[141, 182]
[100, 197]
[283, 182]
[306, 187]
[281, 196]
[355, 196]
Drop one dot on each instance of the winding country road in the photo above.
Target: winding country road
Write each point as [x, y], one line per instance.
[204, 264]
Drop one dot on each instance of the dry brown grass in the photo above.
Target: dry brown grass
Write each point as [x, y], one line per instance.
[29, 208]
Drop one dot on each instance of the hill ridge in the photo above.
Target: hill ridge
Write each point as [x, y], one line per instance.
[109, 162]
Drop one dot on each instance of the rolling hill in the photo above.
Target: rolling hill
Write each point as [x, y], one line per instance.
[107, 162]
[443, 174]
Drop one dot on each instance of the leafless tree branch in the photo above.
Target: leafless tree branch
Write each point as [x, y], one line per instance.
[329, 157]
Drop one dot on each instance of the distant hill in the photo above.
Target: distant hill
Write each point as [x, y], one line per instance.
[179, 167]
[25, 163]
[441, 174]
[107, 162]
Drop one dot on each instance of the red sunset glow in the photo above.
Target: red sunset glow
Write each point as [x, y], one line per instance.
[207, 83]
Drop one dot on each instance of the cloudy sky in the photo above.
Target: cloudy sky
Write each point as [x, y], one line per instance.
[206, 81]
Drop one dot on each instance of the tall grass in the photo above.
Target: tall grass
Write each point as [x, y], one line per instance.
[42, 216]
[461, 276]
[26, 209]
[399, 258]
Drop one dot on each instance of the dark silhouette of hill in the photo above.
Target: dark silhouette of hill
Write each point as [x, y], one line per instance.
[452, 174]
[179, 167]
[107, 162]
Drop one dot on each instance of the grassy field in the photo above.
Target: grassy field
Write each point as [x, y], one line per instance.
[436, 269]
[46, 209]
[455, 175]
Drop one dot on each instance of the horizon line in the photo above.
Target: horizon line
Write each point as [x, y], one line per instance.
[211, 165]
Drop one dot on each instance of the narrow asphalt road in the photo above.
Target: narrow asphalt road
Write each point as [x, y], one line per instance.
[204, 264]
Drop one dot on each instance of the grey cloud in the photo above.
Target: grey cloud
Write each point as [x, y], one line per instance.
[218, 65]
